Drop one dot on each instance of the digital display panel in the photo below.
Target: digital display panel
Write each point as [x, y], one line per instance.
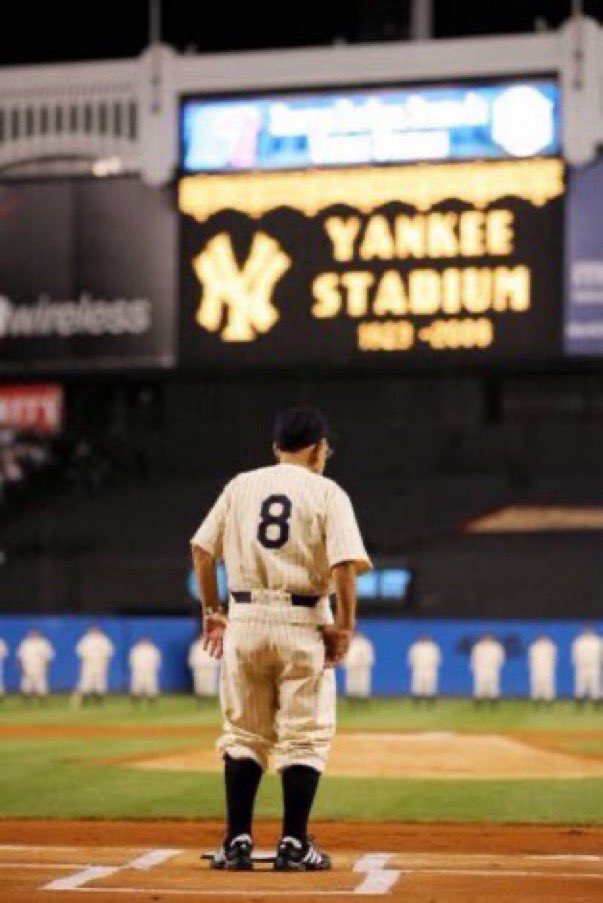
[584, 262]
[326, 228]
[363, 266]
[387, 584]
[384, 584]
[371, 126]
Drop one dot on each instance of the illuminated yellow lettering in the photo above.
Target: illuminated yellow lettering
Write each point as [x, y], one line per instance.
[390, 297]
[343, 233]
[243, 295]
[477, 290]
[499, 232]
[325, 289]
[357, 285]
[471, 233]
[451, 291]
[441, 238]
[368, 336]
[424, 291]
[511, 288]
[410, 236]
[377, 242]
[391, 335]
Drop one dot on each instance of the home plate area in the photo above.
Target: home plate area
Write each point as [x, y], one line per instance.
[29, 872]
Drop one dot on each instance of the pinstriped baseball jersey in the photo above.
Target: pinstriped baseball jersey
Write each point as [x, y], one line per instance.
[282, 527]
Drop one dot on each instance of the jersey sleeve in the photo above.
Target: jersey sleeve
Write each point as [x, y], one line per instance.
[210, 534]
[343, 539]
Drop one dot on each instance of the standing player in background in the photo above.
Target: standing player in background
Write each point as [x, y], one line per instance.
[424, 660]
[587, 659]
[358, 667]
[542, 662]
[145, 663]
[34, 654]
[3, 656]
[288, 537]
[205, 670]
[487, 659]
[94, 650]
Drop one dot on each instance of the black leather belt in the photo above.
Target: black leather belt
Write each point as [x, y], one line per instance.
[296, 598]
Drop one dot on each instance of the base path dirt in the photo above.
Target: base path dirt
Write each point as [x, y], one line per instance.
[159, 861]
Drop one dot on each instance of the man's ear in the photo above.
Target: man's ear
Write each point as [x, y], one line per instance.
[276, 450]
[314, 453]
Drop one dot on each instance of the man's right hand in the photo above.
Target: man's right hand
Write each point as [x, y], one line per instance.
[213, 634]
[337, 642]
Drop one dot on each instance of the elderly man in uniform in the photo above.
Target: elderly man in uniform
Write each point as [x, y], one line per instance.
[3, 656]
[487, 659]
[587, 659]
[34, 654]
[145, 663]
[542, 662]
[424, 660]
[358, 665]
[205, 670]
[94, 650]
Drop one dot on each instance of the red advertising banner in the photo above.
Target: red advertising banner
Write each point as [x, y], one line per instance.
[32, 407]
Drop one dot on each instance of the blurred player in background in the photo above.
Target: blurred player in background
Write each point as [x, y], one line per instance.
[205, 670]
[145, 664]
[3, 656]
[487, 660]
[424, 660]
[34, 654]
[542, 662]
[358, 666]
[587, 659]
[94, 650]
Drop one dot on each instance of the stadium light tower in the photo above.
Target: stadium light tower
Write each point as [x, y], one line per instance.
[154, 22]
[421, 20]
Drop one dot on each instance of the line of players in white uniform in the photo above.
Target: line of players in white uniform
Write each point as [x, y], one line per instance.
[486, 662]
[95, 651]
[424, 659]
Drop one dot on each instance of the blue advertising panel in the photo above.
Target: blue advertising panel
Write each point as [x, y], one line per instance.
[391, 640]
[371, 126]
[584, 262]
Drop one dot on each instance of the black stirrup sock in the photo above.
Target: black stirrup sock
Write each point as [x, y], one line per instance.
[242, 778]
[300, 783]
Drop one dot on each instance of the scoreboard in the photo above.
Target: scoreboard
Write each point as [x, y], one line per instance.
[365, 228]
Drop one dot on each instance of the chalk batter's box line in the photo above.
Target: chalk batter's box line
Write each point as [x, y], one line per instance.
[376, 878]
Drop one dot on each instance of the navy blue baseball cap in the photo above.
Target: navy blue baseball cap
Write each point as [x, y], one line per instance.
[298, 428]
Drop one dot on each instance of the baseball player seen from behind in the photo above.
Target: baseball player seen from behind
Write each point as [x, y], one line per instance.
[288, 536]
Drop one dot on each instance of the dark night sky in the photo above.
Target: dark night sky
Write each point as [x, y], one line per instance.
[60, 31]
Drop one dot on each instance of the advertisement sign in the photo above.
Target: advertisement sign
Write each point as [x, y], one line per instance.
[584, 272]
[452, 262]
[86, 275]
[38, 408]
[371, 126]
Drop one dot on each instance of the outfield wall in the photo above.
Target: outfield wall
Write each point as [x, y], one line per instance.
[391, 639]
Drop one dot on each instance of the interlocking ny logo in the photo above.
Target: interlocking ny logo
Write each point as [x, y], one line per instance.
[243, 294]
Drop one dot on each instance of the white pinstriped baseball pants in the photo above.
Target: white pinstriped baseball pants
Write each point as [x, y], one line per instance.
[277, 697]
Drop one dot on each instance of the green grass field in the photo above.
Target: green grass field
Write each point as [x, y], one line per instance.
[62, 777]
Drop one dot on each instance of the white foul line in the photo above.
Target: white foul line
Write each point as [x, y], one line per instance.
[378, 880]
[151, 859]
[144, 862]
[75, 882]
